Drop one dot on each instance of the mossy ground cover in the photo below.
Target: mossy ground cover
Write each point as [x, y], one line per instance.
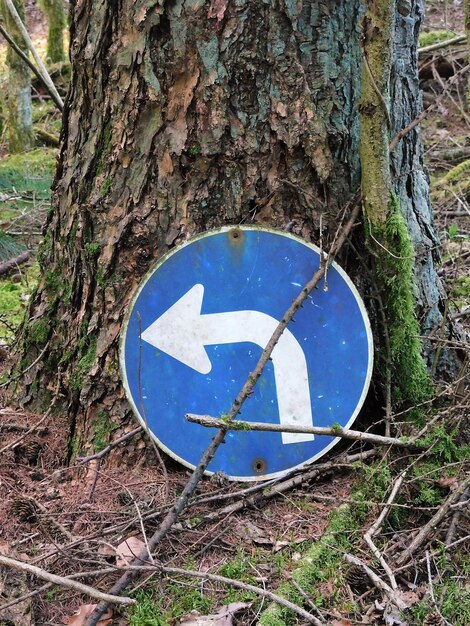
[14, 295]
[25, 191]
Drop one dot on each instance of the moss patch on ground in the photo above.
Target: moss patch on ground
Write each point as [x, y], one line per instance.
[14, 295]
[435, 36]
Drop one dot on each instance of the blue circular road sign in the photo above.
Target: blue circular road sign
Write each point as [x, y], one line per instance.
[198, 325]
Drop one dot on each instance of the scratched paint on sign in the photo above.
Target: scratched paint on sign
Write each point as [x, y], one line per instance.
[207, 311]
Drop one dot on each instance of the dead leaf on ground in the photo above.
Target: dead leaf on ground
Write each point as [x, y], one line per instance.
[222, 617]
[255, 534]
[128, 550]
[341, 622]
[85, 610]
[410, 597]
[279, 545]
[106, 550]
[448, 482]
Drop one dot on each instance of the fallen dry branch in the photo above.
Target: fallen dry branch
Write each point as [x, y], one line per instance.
[65, 582]
[99, 455]
[286, 485]
[377, 525]
[45, 77]
[458, 508]
[247, 389]
[158, 569]
[24, 57]
[432, 107]
[377, 581]
[16, 443]
[442, 44]
[11, 264]
[442, 548]
[308, 600]
[246, 587]
[24, 597]
[343, 433]
[431, 527]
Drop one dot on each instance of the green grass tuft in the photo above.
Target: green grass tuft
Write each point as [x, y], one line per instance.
[10, 247]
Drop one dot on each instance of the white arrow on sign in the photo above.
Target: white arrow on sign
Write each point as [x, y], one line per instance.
[182, 332]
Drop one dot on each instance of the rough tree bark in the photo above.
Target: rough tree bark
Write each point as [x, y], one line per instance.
[18, 94]
[188, 115]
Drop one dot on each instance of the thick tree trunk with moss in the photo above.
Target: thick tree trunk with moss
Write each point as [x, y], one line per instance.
[19, 118]
[54, 11]
[183, 116]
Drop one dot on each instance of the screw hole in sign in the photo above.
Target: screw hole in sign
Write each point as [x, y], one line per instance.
[259, 466]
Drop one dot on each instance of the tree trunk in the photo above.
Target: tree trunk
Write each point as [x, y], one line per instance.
[184, 116]
[466, 11]
[54, 11]
[18, 97]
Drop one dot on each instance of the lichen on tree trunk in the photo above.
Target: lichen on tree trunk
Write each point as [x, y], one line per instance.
[54, 11]
[387, 232]
[181, 117]
[18, 96]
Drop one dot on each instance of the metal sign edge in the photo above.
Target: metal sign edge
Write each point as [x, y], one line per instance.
[210, 233]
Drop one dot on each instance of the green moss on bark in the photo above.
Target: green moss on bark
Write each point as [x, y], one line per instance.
[388, 238]
[395, 260]
[54, 11]
[19, 108]
[102, 427]
[85, 363]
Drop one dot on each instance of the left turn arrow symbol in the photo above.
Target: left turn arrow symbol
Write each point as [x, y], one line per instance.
[182, 332]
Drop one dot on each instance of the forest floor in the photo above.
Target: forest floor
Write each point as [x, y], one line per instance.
[401, 511]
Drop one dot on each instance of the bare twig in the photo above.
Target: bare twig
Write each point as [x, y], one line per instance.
[16, 443]
[343, 433]
[247, 389]
[24, 57]
[419, 118]
[446, 90]
[18, 428]
[13, 263]
[95, 467]
[192, 574]
[306, 598]
[442, 44]
[376, 526]
[456, 517]
[430, 528]
[431, 589]
[442, 548]
[377, 581]
[290, 483]
[144, 534]
[26, 596]
[109, 447]
[65, 582]
[246, 587]
[44, 73]
[53, 522]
